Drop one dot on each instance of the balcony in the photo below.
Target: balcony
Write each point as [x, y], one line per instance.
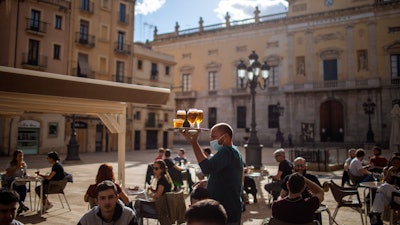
[154, 75]
[38, 62]
[333, 85]
[85, 39]
[122, 79]
[122, 48]
[35, 26]
[154, 123]
[90, 75]
[87, 8]
[186, 95]
[123, 19]
[63, 4]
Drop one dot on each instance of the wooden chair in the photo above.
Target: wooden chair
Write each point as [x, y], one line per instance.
[340, 194]
[394, 206]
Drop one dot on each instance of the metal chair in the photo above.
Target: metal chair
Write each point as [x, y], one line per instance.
[394, 206]
[57, 187]
[339, 194]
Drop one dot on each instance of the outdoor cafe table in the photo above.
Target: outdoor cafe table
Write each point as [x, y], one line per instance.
[37, 180]
[370, 185]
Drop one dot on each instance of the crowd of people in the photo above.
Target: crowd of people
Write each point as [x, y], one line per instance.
[219, 195]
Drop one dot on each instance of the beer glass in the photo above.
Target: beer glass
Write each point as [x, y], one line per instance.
[199, 117]
[181, 114]
[178, 123]
[191, 116]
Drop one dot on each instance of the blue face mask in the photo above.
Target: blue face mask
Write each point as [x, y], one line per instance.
[215, 145]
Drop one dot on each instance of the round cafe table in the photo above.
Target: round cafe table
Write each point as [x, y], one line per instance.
[370, 185]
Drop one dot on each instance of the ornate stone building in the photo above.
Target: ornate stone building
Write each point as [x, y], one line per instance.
[326, 60]
[85, 39]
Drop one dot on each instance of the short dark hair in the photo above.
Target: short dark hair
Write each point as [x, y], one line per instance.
[224, 128]
[8, 196]
[378, 149]
[207, 211]
[199, 193]
[296, 183]
[105, 185]
[167, 153]
[182, 150]
[360, 152]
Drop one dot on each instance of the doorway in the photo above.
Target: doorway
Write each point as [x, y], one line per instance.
[151, 139]
[331, 121]
[99, 137]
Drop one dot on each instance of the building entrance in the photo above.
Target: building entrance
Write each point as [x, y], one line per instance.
[331, 121]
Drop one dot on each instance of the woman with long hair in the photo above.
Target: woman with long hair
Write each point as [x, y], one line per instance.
[105, 172]
[56, 174]
[164, 181]
[17, 168]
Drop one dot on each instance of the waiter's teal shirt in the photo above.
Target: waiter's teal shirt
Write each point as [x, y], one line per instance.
[225, 171]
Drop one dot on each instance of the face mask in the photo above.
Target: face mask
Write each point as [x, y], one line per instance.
[215, 145]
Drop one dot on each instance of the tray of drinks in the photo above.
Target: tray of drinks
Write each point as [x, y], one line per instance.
[187, 128]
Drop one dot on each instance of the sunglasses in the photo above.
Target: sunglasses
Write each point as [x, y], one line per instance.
[156, 168]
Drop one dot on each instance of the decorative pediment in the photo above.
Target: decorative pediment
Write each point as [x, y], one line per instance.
[329, 37]
[213, 66]
[187, 69]
[394, 47]
[331, 53]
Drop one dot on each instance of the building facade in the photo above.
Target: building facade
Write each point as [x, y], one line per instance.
[326, 60]
[82, 38]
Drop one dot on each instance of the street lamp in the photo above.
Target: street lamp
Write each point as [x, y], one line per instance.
[369, 108]
[253, 147]
[278, 110]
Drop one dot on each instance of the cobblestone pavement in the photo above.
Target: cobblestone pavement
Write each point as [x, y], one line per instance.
[84, 172]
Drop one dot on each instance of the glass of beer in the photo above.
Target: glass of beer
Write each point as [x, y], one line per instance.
[191, 117]
[178, 123]
[181, 114]
[199, 117]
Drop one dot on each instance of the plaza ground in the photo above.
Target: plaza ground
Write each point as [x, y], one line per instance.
[84, 172]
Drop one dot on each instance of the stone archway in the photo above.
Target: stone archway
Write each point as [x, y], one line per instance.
[331, 121]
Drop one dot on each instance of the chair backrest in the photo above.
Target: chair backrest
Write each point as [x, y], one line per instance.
[354, 179]
[274, 221]
[57, 186]
[176, 206]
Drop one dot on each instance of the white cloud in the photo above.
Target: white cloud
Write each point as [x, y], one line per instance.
[148, 6]
[244, 9]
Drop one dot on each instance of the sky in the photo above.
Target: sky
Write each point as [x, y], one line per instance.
[163, 14]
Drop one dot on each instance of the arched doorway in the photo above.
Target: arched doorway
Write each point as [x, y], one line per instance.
[331, 121]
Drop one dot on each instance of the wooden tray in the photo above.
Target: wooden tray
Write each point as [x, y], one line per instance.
[188, 128]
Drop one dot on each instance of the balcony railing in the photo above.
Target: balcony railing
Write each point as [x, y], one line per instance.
[124, 19]
[90, 75]
[154, 123]
[39, 61]
[85, 39]
[186, 95]
[64, 4]
[122, 48]
[87, 8]
[122, 79]
[35, 26]
[333, 85]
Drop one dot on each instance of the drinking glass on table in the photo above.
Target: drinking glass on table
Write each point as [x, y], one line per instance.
[199, 117]
[191, 117]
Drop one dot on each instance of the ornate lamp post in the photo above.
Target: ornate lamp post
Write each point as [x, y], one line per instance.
[369, 108]
[253, 147]
[73, 146]
[278, 110]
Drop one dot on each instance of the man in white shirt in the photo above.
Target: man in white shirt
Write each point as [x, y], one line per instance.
[357, 169]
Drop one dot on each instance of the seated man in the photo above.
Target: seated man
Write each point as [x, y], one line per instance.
[377, 162]
[109, 209]
[384, 193]
[177, 172]
[207, 211]
[8, 207]
[285, 168]
[301, 210]
[357, 170]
